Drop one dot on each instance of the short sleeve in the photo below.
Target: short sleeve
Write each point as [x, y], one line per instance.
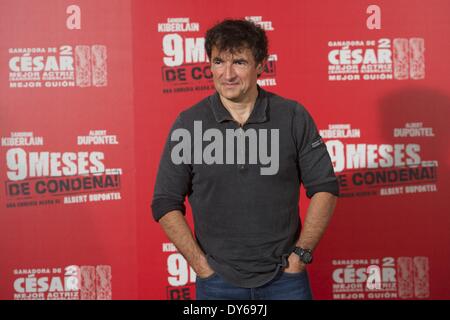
[314, 162]
[173, 181]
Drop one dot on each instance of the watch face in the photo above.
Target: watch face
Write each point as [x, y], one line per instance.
[306, 257]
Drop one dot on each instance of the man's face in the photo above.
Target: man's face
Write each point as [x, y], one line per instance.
[234, 74]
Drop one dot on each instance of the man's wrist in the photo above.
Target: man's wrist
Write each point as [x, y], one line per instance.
[304, 254]
[295, 264]
[202, 267]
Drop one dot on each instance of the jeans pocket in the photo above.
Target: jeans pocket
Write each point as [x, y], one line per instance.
[207, 278]
[294, 274]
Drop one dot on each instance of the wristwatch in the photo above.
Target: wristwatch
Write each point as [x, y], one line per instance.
[304, 254]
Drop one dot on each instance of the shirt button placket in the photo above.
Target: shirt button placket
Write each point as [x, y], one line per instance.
[241, 148]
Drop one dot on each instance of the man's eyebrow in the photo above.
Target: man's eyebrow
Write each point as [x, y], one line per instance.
[217, 59]
[240, 60]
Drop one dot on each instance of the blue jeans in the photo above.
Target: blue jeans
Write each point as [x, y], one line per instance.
[285, 286]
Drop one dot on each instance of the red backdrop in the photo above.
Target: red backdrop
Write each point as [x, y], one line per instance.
[90, 89]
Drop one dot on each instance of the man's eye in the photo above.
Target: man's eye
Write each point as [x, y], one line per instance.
[217, 62]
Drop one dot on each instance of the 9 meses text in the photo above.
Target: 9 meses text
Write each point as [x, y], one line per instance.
[231, 309]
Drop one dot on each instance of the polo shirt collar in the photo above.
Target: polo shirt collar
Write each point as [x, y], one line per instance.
[258, 115]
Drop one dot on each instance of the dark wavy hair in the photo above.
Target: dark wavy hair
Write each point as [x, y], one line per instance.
[233, 35]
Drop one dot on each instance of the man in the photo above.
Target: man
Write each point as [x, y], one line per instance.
[247, 243]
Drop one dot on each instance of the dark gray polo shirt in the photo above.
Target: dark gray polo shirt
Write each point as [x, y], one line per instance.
[247, 223]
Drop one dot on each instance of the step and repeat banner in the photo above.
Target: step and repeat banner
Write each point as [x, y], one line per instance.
[68, 209]
[90, 89]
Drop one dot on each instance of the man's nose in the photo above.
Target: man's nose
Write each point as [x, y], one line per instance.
[229, 71]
